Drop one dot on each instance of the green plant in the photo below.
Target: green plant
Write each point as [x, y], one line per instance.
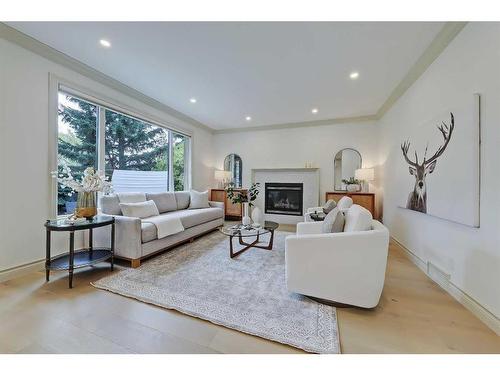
[351, 181]
[243, 196]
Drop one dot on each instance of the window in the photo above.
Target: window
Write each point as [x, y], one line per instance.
[136, 155]
[76, 143]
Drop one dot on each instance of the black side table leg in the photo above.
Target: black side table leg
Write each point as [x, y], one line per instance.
[47, 255]
[91, 242]
[71, 257]
[112, 245]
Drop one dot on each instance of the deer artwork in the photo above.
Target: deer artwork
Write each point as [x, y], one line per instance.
[417, 199]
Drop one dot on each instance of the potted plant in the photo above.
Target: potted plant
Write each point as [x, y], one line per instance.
[352, 184]
[91, 182]
[245, 198]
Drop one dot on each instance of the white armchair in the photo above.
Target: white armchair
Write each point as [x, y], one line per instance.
[343, 204]
[347, 267]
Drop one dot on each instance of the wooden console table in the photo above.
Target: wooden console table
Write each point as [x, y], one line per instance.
[230, 210]
[366, 200]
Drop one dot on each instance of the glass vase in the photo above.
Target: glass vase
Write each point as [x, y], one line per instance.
[86, 205]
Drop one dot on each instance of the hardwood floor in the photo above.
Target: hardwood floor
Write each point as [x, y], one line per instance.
[414, 316]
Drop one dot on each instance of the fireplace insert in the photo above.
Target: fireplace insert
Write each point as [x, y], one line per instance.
[284, 198]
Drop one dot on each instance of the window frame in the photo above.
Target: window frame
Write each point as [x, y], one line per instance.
[103, 103]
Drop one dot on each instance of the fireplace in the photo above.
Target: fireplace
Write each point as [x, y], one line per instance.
[284, 198]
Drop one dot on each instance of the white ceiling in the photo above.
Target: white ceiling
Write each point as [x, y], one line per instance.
[274, 72]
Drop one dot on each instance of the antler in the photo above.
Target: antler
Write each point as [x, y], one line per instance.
[446, 131]
[405, 147]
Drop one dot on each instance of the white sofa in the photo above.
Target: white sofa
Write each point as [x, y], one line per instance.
[344, 268]
[343, 204]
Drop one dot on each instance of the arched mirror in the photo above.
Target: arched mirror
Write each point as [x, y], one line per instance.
[344, 165]
[233, 164]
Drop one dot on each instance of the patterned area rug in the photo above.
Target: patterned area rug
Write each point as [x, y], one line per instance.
[247, 293]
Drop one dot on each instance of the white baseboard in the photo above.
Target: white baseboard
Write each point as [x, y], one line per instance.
[12, 273]
[483, 314]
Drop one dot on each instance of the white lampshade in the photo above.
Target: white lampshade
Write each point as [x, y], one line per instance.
[222, 175]
[219, 175]
[365, 174]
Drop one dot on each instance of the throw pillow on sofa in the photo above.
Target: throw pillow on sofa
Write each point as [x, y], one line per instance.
[140, 209]
[198, 199]
[334, 222]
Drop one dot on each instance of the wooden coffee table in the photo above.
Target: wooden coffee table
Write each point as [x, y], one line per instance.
[243, 232]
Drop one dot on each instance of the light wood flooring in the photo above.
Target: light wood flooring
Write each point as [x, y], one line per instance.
[414, 316]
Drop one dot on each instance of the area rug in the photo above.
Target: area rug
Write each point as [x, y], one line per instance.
[247, 293]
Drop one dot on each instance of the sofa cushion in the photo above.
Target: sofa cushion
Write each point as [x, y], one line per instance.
[198, 199]
[148, 232]
[164, 201]
[182, 198]
[191, 218]
[110, 205]
[140, 209]
[357, 219]
[131, 197]
[334, 222]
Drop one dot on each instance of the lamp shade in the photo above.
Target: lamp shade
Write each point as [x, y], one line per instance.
[222, 175]
[365, 174]
[219, 175]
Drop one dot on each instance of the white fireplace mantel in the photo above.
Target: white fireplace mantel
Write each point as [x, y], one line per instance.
[309, 177]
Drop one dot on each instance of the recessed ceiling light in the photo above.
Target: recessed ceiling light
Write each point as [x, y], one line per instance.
[105, 43]
[192, 100]
[354, 75]
[248, 118]
[314, 110]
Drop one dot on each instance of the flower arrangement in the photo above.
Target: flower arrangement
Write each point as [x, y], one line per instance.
[243, 196]
[92, 181]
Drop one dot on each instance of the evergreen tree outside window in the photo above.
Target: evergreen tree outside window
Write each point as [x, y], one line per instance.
[134, 150]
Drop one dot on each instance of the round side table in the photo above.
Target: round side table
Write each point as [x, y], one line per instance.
[82, 257]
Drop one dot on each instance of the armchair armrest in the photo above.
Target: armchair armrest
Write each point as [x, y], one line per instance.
[216, 204]
[312, 210]
[128, 236]
[313, 227]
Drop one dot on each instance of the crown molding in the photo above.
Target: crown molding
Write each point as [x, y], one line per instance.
[449, 31]
[15, 36]
[291, 125]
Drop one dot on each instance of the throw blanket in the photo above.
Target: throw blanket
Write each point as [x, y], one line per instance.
[165, 225]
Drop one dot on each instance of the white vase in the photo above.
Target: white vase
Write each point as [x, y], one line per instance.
[246, 218]
[257, 216]
[352, 188]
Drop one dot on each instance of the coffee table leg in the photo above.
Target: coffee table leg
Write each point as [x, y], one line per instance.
[47, 255]
[71, 257]
[247, 246]
[91, 243]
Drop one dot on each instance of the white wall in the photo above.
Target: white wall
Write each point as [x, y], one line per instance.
[293, 148]
[24, 153]
[471, 256]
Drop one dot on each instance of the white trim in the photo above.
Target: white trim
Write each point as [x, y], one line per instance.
[53, 143]
[22, 270]
[483, 314]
